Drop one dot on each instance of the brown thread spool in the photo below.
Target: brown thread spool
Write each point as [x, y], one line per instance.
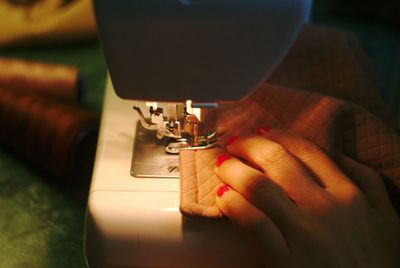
[55, 81]
[57, 137]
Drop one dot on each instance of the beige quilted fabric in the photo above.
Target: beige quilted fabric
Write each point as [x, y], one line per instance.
[200, 182]
[322, 59]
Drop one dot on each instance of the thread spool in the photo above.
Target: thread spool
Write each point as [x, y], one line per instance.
[57, 137]
[54, 81]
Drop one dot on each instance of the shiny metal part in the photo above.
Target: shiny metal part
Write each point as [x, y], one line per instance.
[181, 123]
[173, 147]
[145, 123]
[149, 159]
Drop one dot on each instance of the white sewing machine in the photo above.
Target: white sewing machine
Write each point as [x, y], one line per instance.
[183, 58]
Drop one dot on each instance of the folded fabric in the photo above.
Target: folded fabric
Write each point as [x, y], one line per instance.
[333, 65]
[46, 22]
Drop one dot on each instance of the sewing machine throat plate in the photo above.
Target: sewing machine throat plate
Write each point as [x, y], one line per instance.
[149, 159]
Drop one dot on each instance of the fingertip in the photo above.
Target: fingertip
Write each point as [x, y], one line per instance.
[222, 195]
[221, 159]
[222, 189]
[229, 202]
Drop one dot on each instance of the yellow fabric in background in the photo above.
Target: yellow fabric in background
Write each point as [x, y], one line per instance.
[46, 22]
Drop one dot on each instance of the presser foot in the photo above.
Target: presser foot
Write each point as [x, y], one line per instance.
[181, 124]
[158, 158]
[174, 146]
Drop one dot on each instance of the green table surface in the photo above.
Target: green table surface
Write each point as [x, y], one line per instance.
[41, 222]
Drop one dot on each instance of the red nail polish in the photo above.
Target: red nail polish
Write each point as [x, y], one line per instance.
[231, 139]
[262, 130]
[221, 159]
[222, 189]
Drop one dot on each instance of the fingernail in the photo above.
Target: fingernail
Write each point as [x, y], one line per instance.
[262, 130]
[221, 159]
[222, 189]
[231, 139]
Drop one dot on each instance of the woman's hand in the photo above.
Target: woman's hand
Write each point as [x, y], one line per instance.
[302, 209]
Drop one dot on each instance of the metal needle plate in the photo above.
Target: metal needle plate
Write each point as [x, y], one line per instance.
[149, 159]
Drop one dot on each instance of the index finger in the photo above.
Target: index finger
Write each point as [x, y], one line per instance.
[278, 165]
[262, 192]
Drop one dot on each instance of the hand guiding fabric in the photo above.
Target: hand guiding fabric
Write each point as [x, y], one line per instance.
[302, 209]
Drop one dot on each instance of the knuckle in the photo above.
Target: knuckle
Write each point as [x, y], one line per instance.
[307, 151]
[353, 196]
[307, 147]
[275, 154]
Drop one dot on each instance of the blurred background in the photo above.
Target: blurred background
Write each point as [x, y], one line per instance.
[41, 215]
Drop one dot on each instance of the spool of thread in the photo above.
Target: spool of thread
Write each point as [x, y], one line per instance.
[54, 81]
[59, 138]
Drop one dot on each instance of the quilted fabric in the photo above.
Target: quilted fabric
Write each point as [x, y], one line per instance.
[199, 182]
[332, 123]
[331, 62]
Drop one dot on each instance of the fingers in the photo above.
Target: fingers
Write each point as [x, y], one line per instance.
[323, 169]
[278, 165]
[254, 186]
[256, 223]
[367, 179]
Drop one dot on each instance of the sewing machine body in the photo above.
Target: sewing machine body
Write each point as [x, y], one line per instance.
[133, 217]
[136, 222]
[200, 50]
